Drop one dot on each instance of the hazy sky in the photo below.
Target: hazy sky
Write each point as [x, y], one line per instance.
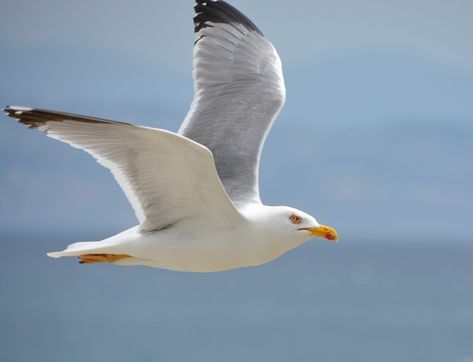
[438, 30]
[375, 137]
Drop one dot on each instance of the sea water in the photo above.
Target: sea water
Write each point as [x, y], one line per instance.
[356, 301]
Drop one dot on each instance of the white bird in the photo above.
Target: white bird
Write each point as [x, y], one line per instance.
[195, 192]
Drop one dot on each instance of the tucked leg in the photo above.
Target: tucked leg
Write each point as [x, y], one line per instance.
[101, 258]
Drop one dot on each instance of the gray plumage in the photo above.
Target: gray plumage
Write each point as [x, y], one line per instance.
[239, 91]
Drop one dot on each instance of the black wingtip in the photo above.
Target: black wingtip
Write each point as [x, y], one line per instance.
[24, 115]
[6, 109]
[9, 110]
[219, 11]
[37, 117]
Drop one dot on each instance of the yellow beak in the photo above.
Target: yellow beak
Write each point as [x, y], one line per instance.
[323, 232]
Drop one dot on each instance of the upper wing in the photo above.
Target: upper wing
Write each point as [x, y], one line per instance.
[239, 91]
[166, 177]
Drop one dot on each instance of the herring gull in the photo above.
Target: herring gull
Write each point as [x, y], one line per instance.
[195, 192]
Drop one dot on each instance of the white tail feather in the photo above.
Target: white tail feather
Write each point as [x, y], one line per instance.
[84, 247]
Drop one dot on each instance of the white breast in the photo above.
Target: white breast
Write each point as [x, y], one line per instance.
[195, 246]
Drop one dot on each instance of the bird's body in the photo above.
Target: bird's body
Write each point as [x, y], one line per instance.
[197, 245]
[195, 192]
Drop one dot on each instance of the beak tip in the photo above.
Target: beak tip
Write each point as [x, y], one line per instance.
[323, 231]
[332, 237]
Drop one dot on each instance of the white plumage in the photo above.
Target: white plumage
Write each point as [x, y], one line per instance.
[195, 193]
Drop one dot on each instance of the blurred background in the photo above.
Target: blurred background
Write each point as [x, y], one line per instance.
[376, 139]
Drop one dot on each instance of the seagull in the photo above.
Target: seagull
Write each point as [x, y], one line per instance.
[195, 192]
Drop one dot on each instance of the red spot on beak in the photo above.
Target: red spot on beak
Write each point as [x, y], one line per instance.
[329, 236]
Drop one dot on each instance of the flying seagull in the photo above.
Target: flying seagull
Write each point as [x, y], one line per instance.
[195, 192]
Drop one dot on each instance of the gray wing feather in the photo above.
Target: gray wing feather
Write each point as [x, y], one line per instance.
[239, 91]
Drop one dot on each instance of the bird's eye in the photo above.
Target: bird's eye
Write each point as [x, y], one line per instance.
[295, 219]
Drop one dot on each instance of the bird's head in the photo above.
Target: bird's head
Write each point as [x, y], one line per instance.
[299, 226]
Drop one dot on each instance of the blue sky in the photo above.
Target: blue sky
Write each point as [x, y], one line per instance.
[375, 139]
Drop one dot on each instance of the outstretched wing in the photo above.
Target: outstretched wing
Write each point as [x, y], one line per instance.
[239, 91]
[166, 177]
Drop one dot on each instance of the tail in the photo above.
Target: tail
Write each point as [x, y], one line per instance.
[85, 247]
[111, 247]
